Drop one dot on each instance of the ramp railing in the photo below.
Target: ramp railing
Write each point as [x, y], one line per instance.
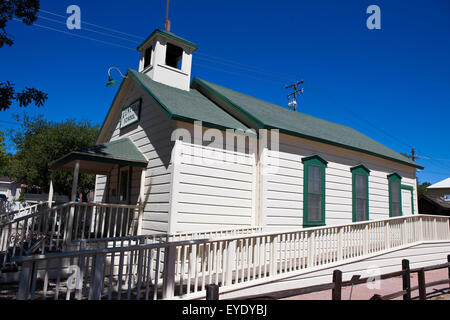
[52, 228]
[183, 269]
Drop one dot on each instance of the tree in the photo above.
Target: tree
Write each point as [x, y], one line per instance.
[422, 188]
[40, 142]
[5, 158]
[26, 11]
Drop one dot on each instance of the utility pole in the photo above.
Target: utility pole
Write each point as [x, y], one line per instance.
[413, 156]
[167, 26]
[293, 103]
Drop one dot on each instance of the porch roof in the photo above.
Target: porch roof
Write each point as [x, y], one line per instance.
[100, 159]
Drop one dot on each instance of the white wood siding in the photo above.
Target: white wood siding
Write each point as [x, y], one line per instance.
[215, 188]
[282, 185]
[152, 136]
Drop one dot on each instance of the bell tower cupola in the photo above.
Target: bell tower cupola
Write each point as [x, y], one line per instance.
[167, 58]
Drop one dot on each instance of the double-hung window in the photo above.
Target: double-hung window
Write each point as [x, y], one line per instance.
[314, 191]
[395, 195]
[360, 182]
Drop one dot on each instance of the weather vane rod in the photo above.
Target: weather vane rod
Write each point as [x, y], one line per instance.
[167, 26]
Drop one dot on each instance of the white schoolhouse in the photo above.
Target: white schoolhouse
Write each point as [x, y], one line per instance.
[198, 184]
[199, 156]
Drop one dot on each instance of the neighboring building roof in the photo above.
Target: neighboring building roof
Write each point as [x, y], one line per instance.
[437, 200]
[121, 151]
[168, 35]
[271, 116]
[187, 106]
[7, 180]
[444, 184]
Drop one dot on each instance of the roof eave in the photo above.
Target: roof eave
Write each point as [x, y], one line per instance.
[189, 44]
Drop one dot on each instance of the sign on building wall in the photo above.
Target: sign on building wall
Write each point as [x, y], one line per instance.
[130, 114]
[447, 197]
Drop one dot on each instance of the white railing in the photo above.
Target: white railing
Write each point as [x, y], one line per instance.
[53, 228]
[183, 269]
[5, 218]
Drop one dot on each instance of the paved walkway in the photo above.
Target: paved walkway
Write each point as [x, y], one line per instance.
[387, 286]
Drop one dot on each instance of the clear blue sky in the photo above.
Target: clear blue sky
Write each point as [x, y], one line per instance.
[397, 78]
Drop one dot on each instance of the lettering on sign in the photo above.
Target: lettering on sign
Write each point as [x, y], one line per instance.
[130, 114]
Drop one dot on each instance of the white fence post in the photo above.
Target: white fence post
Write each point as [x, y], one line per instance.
[99, 275]
[421, 235]
[404, 232]
[26, 276]
[387, 234]
[231, 261]
[310, 249]
[274, 256]
[169, 271]
[435, 229]
[340, 242]
[366, 240]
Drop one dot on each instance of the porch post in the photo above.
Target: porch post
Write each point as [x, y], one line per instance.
[141, 201]
[76, 172]
[50, 191]
[68, 233]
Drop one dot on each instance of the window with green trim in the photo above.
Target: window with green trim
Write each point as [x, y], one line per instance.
[360, 184]
[395, 195]
[314, 191]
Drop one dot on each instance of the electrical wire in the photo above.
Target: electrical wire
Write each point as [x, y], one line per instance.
[79, 36]
[10, 122]
[90, 30]
[229, 63]
[94, 25]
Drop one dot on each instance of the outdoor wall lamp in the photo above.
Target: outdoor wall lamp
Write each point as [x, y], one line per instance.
[111, 82]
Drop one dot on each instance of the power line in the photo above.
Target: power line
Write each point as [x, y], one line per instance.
[237, 67]
[95, 25]
[217, 69]
[255, 69]
[10, 122]
[90, 30]
[79, 36]
[427, 158]
[236, 73]
[229, 63]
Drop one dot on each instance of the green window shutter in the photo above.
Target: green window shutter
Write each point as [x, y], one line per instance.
[395, 195]
[360, 193]
[314, 191]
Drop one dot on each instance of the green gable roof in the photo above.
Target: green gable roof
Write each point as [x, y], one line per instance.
[122, 152]
[169, 35]
[187, 106]
[271, 116]
[118, 149]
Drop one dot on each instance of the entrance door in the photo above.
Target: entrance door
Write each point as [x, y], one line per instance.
[124, 185]
[406, 202]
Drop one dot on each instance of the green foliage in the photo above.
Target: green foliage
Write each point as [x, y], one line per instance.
[26, 11]
[22, 195]
[5, 158]
[40, 142]
[422, 188]
[8, 94]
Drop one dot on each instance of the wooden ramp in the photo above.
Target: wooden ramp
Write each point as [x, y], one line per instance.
[239, 263]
